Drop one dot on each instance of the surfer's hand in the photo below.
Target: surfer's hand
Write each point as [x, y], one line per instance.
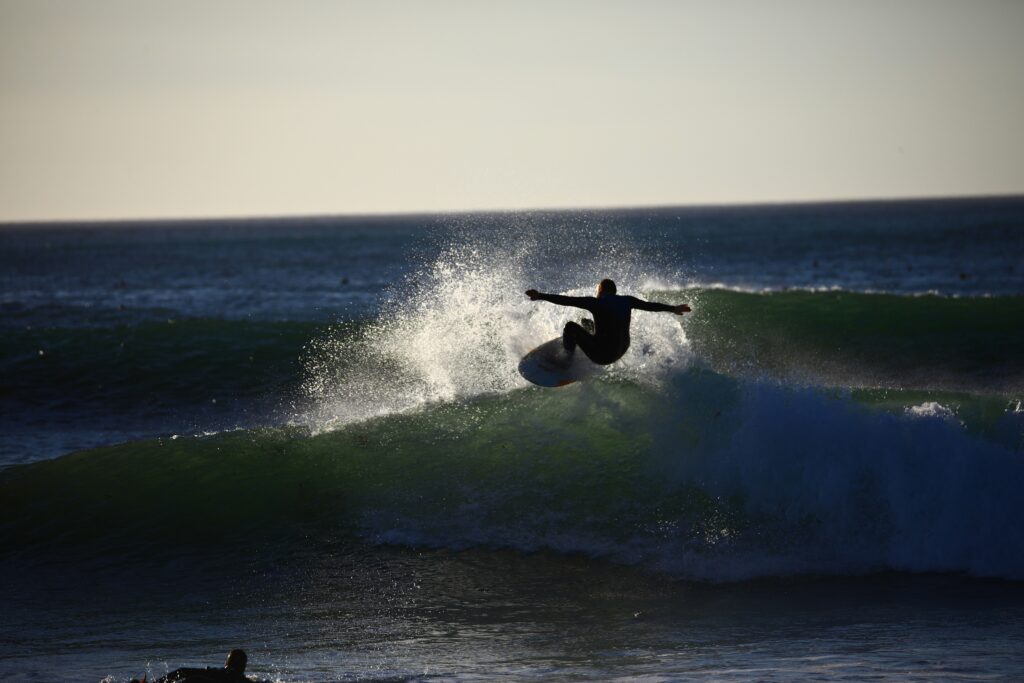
[533, 294]
[681, 308]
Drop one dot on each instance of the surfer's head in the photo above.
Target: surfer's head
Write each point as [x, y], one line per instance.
[236, 661]
[606, 287]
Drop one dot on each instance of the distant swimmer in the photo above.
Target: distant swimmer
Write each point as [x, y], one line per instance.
[605, 338]
[232, 672]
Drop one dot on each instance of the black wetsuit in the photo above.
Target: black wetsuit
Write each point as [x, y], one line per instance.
[611, 312]
[209, 675]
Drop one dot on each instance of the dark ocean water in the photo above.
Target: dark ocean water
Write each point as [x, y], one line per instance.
[308, 438]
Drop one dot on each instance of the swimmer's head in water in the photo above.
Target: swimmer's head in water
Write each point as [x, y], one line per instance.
[236, 661]
[606, 287]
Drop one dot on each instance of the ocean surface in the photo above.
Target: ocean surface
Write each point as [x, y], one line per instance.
[307, 438]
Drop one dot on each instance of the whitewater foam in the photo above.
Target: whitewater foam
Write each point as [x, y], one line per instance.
[933, 409]
[749, 288]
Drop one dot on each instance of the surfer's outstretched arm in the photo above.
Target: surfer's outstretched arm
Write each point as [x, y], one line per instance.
[585, 302]
[658, 308]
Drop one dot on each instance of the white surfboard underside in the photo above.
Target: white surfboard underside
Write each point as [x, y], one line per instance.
[549, 365]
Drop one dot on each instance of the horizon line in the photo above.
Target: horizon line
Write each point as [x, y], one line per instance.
[238, 218]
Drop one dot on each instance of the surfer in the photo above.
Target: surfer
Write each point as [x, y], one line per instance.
[233, 672]
[605, 338]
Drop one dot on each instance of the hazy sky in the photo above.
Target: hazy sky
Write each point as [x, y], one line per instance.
[202, 108]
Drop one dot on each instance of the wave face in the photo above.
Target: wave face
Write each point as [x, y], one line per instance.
[170, 361]
[864, 340]
[703, 476]
[68, 388]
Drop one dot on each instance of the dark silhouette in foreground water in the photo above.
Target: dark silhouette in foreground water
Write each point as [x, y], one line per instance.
[232, 672]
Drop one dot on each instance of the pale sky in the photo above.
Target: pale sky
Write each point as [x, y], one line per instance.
[191, 108]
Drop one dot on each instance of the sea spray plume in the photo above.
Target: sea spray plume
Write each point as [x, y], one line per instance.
[445, 334]
[457, 326]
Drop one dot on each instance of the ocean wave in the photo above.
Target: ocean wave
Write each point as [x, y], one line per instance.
[845, 339]
[703, 477]
[750, 288]
[164, 364]
[464, 335]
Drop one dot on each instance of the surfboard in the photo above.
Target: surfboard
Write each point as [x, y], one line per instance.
[549, 365]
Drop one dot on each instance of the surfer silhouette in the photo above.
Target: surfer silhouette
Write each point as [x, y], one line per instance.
[233, 672]
[605, 338]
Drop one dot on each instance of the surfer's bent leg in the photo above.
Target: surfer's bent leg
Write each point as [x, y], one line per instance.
[596, 349]
[572, 334]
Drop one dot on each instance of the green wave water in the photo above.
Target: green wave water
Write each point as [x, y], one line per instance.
[703, 476]
[838, 338]
[872, 340]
